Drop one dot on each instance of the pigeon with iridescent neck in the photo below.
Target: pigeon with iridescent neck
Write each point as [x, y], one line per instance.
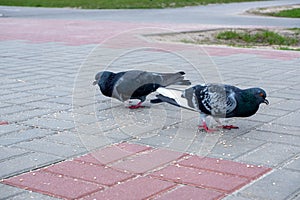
[216, 100]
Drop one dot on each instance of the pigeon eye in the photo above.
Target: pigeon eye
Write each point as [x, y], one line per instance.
[261, 94]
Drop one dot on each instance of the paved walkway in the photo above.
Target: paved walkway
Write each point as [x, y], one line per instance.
[60, 138]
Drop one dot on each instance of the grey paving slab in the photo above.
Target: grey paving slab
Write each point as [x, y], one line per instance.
[290, 105]
[7, 192]
[49, 105]
[50, 123]
[14, 109]
[3, 105]
[262, 117]
[10, 192]
[274, 137]
[48, 147]
[291, 119]
[26, 115]
[294, 164]
[277, 112]
[155, 141]
[81, 140]
[278, 128]
[52, 92]
[232, 148]
[91, 142]
[278, 185]
[116, 135]
[24, 135]
[11, 127]
[27, 98]
[20, 164]
[13, 96]
[61, 100]
[270, 154]
[244, 125]
[236, 197]
[8, 152]
[32, 195]
[66, 137]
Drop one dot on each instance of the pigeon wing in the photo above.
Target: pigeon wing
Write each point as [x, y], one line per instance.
[214, 99]
[136, 83]
[175, 97]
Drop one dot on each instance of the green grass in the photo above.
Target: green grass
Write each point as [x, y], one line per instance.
[293, 13]
[260, 37]
[113, 4]
[289, 49]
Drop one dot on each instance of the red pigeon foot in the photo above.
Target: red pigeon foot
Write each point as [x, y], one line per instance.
[139, 105]
[228, 127]
[205, 127]
[3, 122]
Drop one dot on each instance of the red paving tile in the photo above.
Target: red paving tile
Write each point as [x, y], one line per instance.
[139, 188]
[53, 184]
[86, 177]
[112, 153]
[188, 192]
[89, 172]
[144, 162]
[201, 178]
[225, 166]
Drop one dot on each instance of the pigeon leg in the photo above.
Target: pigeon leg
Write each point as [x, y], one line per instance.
[228, 127]
[204, 125]
[139, 105]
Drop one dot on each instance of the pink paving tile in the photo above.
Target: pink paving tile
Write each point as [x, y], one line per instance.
[139, 188]
[188, 192]
[149, 160]
[112, 153]
[75, 32]
[53, 184]
[201, 178]
[225, 166]
[89, 172]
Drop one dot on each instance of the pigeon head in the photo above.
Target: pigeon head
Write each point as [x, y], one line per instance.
[260, 95]
[101, 75]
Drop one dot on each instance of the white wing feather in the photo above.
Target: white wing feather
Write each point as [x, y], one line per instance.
[177, 96]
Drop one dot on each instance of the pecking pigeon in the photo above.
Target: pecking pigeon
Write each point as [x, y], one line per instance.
[135, 84]
[217, 100]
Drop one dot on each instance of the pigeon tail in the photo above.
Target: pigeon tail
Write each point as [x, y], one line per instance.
[165, 99]
[155, 101]
[174, 79]
[183, 82]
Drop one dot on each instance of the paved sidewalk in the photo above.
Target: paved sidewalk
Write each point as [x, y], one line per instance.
[60, 138]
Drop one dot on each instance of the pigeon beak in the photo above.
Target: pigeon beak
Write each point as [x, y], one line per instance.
[266, 101]
[95, 82]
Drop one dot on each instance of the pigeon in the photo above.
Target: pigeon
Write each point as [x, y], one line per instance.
[135, 84]
[216, 100]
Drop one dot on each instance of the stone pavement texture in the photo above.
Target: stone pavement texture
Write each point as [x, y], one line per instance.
[60, 138]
